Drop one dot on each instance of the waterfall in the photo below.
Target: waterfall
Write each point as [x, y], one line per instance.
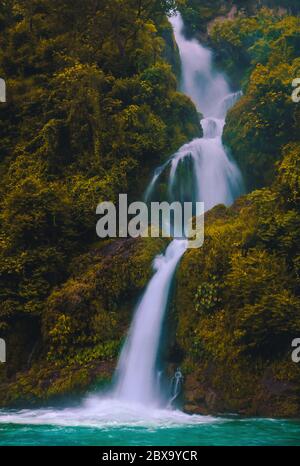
[136, 372]
[199, 81]
[198, 171]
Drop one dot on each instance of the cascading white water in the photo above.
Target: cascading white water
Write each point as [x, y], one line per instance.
[199, 81]
[136, 372]
[216, 179]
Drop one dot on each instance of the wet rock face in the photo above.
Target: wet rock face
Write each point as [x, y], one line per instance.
[195, 396]
[269, 397]
[171, 53]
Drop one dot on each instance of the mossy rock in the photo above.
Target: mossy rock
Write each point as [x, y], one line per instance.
[237, 312]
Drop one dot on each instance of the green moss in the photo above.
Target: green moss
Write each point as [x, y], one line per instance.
[263, 48]
[85, 321]
[91, 110]
[237, 306]
[43, 384]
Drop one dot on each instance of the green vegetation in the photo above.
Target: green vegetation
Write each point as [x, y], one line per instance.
[238, 300]
[238, 297]
[259, 49]
[199, 15]
[82, 324]
[92, 108]
[265, 49]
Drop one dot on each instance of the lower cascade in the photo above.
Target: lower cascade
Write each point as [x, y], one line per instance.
[136, 372]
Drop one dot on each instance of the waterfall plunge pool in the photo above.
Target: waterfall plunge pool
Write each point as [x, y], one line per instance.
[109, 423]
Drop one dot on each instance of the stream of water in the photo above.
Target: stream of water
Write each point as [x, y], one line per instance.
[212, 179]
[135, 411]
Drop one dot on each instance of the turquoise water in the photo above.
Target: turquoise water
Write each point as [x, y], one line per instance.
[233, 432]
[105, 421]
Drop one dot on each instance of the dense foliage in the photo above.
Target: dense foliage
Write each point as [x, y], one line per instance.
[92, 106]
[199, 15]
[238, 297]
[259, 50]
[265, 49]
